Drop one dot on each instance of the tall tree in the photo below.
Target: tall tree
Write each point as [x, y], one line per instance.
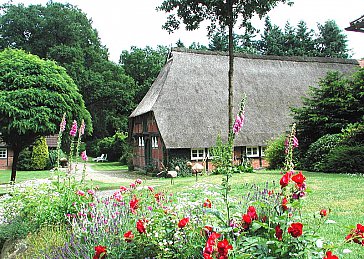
[143, 65]
[221, 14]
[63, 33]
[34, 95]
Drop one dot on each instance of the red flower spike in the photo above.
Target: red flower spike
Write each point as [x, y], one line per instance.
[329, 255]
[183, 222]
[279, 233]
[295, 229]
[252, 213]
[285, 179]
[100, 252]
[140, 226]
[133, 204]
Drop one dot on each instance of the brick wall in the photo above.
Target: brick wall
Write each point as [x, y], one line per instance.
[6, 163]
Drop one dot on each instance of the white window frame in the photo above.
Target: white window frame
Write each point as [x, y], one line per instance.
[252, 154]
[154, 142]
[263, 150]
[140, 141]
[200, 152]
[3, 152]
[209, 155]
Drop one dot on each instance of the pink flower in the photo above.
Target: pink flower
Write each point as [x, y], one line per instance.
[132, 185]
[138, 181]
[151, 188]
[295, 141]
[117, 196]
[91, 192]
[62, 126]
[81, 193]
[84, 156]
[73, 130]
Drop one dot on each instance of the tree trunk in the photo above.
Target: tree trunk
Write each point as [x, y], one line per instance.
[15, 162]
[231, 67]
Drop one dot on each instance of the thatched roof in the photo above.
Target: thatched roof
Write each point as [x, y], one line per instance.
[357, 25]
[189, 98]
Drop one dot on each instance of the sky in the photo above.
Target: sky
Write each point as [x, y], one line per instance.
[125, 23]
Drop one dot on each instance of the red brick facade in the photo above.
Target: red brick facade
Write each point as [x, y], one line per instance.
[6, 163]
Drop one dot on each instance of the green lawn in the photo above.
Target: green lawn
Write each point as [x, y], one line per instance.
[23, 175]
[107, 166]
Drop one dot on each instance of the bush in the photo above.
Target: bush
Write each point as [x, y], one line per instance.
[53, 156]
[182, 164]
[345, 159]
[25, 160]
[274, 153]
[116, 147]
[317, 152]
[40, 154]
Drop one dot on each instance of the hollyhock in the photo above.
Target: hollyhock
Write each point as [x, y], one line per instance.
[285, 179]
[183, 222]
[133, 204]
[84, 156]
[100, 252]
[299, 179]
[329, 255]
[140, 226]
[223, 248]
[210, 245]
[129, 236]
[247, 220]
[73, 130]
[252, 213]
[284, 204]
[279, 232]
[207, 204]
[238, 124]
[295, 229]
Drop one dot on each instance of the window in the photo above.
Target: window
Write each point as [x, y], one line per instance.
[3, 152]
[141, 141]
[197, 154]
[263, 150]
[154, 142]
[252, 152]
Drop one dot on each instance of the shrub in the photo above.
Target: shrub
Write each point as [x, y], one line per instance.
[40, 154]
[25, 160]
[353, 134]
[274, 153]
[182, 164]
[345, 159]
[53, 156]
[317, 152]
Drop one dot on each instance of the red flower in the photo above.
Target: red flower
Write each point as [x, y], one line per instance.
[356, 235]
[223, 248]
[210, 245]
[299, 178]
[133, 204]
[329, 255]
[285, 179]
[140, 226]
[129, 236]
[252, 213]
[100, 252]
[279, 233]
[151, 188]
[183, 222]
[207, 204]
[323, 213]
[284, 204]
[295, 229]
[247, 220]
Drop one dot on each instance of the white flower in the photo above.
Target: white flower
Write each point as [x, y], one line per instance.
[330, 221]
[346, 251]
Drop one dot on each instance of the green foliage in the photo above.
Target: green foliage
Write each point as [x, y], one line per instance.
[353, 134]
[345, 159]
[116, 147]
[222, 156]
[62, 32]
[40, 154]
[25, 160]
[184, 170]
[53, 156]
[274, 153]
[337, 102]
[315, 157]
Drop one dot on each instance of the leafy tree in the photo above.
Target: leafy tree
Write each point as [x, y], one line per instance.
[337, 102]
[63, 33]
[143, 65]
[34, 95]
[272, 40]
[221, 14]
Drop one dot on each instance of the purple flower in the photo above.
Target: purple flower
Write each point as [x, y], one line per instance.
[73, 130]
[239, 122]
[295, 141]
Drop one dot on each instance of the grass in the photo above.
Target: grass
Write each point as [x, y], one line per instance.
[108, 166]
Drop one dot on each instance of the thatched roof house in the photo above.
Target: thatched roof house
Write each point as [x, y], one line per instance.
[188, 100]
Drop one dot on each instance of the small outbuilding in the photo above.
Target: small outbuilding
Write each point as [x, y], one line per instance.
[186, 108]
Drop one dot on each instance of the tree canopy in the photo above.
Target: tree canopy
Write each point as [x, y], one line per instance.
[34, 95]
[62, 32]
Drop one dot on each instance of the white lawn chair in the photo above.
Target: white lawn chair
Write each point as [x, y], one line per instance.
[99, 158]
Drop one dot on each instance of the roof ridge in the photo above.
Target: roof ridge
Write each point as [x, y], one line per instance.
[269, 57]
